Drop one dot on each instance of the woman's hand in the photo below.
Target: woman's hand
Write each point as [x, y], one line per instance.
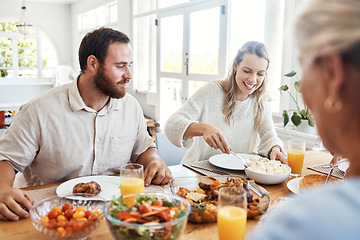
[215, 138]
[276, 154]
[211, 134]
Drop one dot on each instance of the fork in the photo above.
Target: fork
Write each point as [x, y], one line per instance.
[246, 163]
[330, 172]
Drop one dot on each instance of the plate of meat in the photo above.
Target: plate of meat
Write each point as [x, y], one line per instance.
[99, 187]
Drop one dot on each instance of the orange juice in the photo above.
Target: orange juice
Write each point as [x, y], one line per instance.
[296, 160]
[130, 186]
[231, 222]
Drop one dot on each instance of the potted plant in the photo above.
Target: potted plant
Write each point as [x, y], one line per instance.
[298, 114]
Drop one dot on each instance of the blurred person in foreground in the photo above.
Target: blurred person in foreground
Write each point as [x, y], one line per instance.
[328, 38]
[233, 114]
[88, 127]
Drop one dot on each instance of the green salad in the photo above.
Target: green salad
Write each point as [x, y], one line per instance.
[149, 218]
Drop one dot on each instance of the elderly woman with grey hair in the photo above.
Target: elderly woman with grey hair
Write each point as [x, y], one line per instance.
[328, 35]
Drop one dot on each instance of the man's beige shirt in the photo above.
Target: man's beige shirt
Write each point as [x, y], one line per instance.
[55, 136]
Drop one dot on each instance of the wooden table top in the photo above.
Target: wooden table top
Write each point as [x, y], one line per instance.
[23, 228]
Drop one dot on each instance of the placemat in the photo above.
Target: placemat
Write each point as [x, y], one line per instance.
[40, 194]
[325, 168]
[213, 169]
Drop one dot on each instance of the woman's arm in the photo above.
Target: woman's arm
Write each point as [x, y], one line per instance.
[211, 134]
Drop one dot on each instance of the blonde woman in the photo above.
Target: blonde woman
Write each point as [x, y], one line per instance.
[328, 35]
[229, 115]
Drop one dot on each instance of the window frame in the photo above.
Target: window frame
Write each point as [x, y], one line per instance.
[16, 79]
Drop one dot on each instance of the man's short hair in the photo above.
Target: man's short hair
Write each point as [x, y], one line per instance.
[97, 43]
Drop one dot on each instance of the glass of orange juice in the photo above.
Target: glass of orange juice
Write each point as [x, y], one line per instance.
[296, 155]
[231, 213]
[131, 181]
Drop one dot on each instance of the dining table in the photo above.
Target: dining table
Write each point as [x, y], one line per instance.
[23, 228]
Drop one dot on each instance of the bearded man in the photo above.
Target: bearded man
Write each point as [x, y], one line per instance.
[90, 126]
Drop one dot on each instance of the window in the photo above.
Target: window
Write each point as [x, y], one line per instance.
[25, 57]
[104, 15]
[179, 45]
[177, 48]
[260, 20]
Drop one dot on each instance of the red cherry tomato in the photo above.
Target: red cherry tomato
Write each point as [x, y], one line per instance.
[69, 229]
[78, 226]
[88, 213]
[53, 214]
[67, 206]
[52, 224]
[68, 213]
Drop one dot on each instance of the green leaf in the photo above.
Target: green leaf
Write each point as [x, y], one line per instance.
[290, 74]
[311, 122]
[304, 114]
[283, 88]
[296, 119]
[297, 86]
[285, 117]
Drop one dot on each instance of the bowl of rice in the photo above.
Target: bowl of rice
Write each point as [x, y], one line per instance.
[265, 171]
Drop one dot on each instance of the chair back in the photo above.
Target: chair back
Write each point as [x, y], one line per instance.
[171, 154]
[63, 74]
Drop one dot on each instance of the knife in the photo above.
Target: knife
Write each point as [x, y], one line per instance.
[210, 170]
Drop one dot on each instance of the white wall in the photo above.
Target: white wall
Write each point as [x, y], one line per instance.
[55, 20]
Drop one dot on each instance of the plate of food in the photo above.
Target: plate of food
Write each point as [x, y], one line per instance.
[309, 181]
[229, 161]
[293, 185]
[105, 187]
[202, 191]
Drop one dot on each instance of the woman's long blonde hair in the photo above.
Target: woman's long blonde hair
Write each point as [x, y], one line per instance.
[230, 85]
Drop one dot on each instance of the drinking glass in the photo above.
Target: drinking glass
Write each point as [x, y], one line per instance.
[296, 155]
[131, 181]
[232, 213]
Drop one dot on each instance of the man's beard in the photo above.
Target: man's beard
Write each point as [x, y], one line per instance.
[107, 86]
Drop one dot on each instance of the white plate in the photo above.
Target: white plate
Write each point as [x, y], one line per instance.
[229, 161]
[110, 187]
[343, 166]
[294, 185]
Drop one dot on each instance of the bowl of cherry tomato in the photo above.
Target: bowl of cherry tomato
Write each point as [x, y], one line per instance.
[69, 217]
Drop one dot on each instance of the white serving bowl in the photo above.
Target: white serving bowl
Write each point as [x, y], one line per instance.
[268, 178]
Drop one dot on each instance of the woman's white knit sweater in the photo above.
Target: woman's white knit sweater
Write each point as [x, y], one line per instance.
[206, 106]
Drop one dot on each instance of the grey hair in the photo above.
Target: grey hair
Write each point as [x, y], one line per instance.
[327, 26]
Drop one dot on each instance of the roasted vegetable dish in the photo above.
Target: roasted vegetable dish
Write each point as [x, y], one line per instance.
[203, 201]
